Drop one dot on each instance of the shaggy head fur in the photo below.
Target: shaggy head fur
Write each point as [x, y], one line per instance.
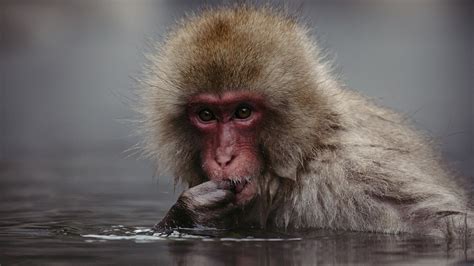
[242, 49]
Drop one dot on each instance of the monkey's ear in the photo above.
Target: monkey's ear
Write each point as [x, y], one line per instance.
[286, 171]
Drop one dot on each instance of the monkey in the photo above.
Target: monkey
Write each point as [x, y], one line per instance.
[240, 104]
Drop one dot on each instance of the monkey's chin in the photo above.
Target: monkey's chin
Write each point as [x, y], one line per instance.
[245, 194]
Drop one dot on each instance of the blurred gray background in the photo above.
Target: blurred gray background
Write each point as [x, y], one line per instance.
[66, 68]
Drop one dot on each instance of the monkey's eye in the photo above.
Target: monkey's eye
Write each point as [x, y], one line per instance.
[206, 115]
[243, 112]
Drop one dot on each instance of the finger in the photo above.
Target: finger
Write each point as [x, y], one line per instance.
[225, 184]
[213, 201]
[215, 197]
[209, 187]
[206, 186]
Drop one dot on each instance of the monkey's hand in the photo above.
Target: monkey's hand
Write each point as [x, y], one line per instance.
[209, 204]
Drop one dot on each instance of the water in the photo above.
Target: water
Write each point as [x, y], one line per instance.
[93, 211]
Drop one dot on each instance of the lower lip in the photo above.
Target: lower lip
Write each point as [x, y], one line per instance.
[239, 187]
[245, 193]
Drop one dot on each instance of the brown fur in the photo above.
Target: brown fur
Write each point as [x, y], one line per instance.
[333, 159]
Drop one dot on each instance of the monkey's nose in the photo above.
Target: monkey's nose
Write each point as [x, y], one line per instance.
[224, 160]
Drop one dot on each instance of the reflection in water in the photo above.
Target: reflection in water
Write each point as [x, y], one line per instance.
[77, 212]
[325, 247]
[316, 246]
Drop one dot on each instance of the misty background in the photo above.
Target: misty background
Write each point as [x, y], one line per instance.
[67, 68]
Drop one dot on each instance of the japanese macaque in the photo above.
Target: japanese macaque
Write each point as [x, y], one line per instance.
[239, 105]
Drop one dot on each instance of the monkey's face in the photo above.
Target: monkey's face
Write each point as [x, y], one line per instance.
[228, 125]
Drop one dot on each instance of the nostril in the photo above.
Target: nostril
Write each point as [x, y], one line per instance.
[224, 161]
[231, 159]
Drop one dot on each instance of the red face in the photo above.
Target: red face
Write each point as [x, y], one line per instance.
[228, 126]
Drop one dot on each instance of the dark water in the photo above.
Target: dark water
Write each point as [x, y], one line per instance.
[85, 211]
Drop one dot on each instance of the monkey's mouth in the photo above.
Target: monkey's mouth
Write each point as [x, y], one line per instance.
[237, 185]
[244, 190]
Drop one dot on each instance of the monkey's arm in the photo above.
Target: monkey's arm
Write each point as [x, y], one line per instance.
[209, 204]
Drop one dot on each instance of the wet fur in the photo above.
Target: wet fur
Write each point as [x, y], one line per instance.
[333, 158]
